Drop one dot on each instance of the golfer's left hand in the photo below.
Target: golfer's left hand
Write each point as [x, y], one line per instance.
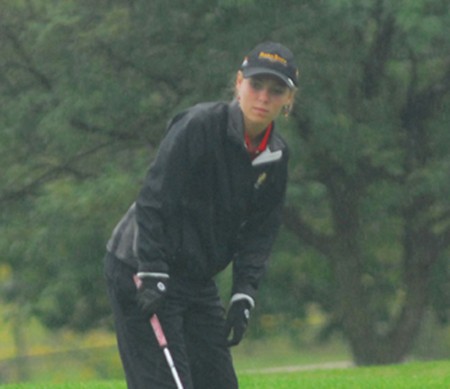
[150, 293]
[237, 321]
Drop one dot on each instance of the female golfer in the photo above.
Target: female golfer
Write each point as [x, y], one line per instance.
[212, 196]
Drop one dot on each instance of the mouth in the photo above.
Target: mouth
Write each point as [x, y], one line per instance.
[260, 111]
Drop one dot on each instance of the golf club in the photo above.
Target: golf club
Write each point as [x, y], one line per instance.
[157, 329]
[162, 342]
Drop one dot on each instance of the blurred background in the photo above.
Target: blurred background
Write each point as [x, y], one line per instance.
[361, 269]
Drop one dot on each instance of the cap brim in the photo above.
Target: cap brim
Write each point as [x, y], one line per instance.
[256, 71]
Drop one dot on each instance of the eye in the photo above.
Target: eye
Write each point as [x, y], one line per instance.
[277, 90]
[256, 84]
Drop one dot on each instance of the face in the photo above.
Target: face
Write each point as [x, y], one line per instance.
[261, 99]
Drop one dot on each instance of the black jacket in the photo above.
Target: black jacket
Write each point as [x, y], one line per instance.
[205, 203]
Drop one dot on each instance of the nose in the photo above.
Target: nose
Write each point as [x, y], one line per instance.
[264, 94]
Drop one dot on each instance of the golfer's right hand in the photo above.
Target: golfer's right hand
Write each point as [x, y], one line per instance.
[151, 290]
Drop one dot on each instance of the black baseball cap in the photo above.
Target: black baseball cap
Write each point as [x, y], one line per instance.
[271, 58]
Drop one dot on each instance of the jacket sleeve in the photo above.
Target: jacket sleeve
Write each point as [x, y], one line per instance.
[258, 236]
[158, 202]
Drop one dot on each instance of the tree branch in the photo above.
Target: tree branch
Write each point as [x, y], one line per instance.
[89, 128]
[26, 58]
[294, 222]
[374, 64]
[419, 107]
[50, 175]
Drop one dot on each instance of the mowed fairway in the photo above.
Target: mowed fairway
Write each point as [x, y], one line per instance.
[408, 376]
[434, 375]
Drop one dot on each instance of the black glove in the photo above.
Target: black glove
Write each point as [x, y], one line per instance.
[237, 321]
[151, 290]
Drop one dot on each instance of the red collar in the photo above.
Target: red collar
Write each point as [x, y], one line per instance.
[255, 151]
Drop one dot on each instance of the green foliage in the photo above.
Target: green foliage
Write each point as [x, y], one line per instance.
[371, 120]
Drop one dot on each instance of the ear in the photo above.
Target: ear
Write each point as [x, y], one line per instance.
[291, 98]
[238, 83]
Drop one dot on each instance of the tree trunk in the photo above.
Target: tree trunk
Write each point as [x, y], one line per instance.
[353, 300]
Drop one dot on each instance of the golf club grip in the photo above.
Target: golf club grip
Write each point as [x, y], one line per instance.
[157, 329]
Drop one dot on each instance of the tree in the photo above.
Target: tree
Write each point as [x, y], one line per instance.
[372, 197]
[86, 90]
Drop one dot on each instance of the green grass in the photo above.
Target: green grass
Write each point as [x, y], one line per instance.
[434, 375]
[282, 351]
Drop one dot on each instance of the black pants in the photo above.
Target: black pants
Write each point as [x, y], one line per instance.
[192, 318]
